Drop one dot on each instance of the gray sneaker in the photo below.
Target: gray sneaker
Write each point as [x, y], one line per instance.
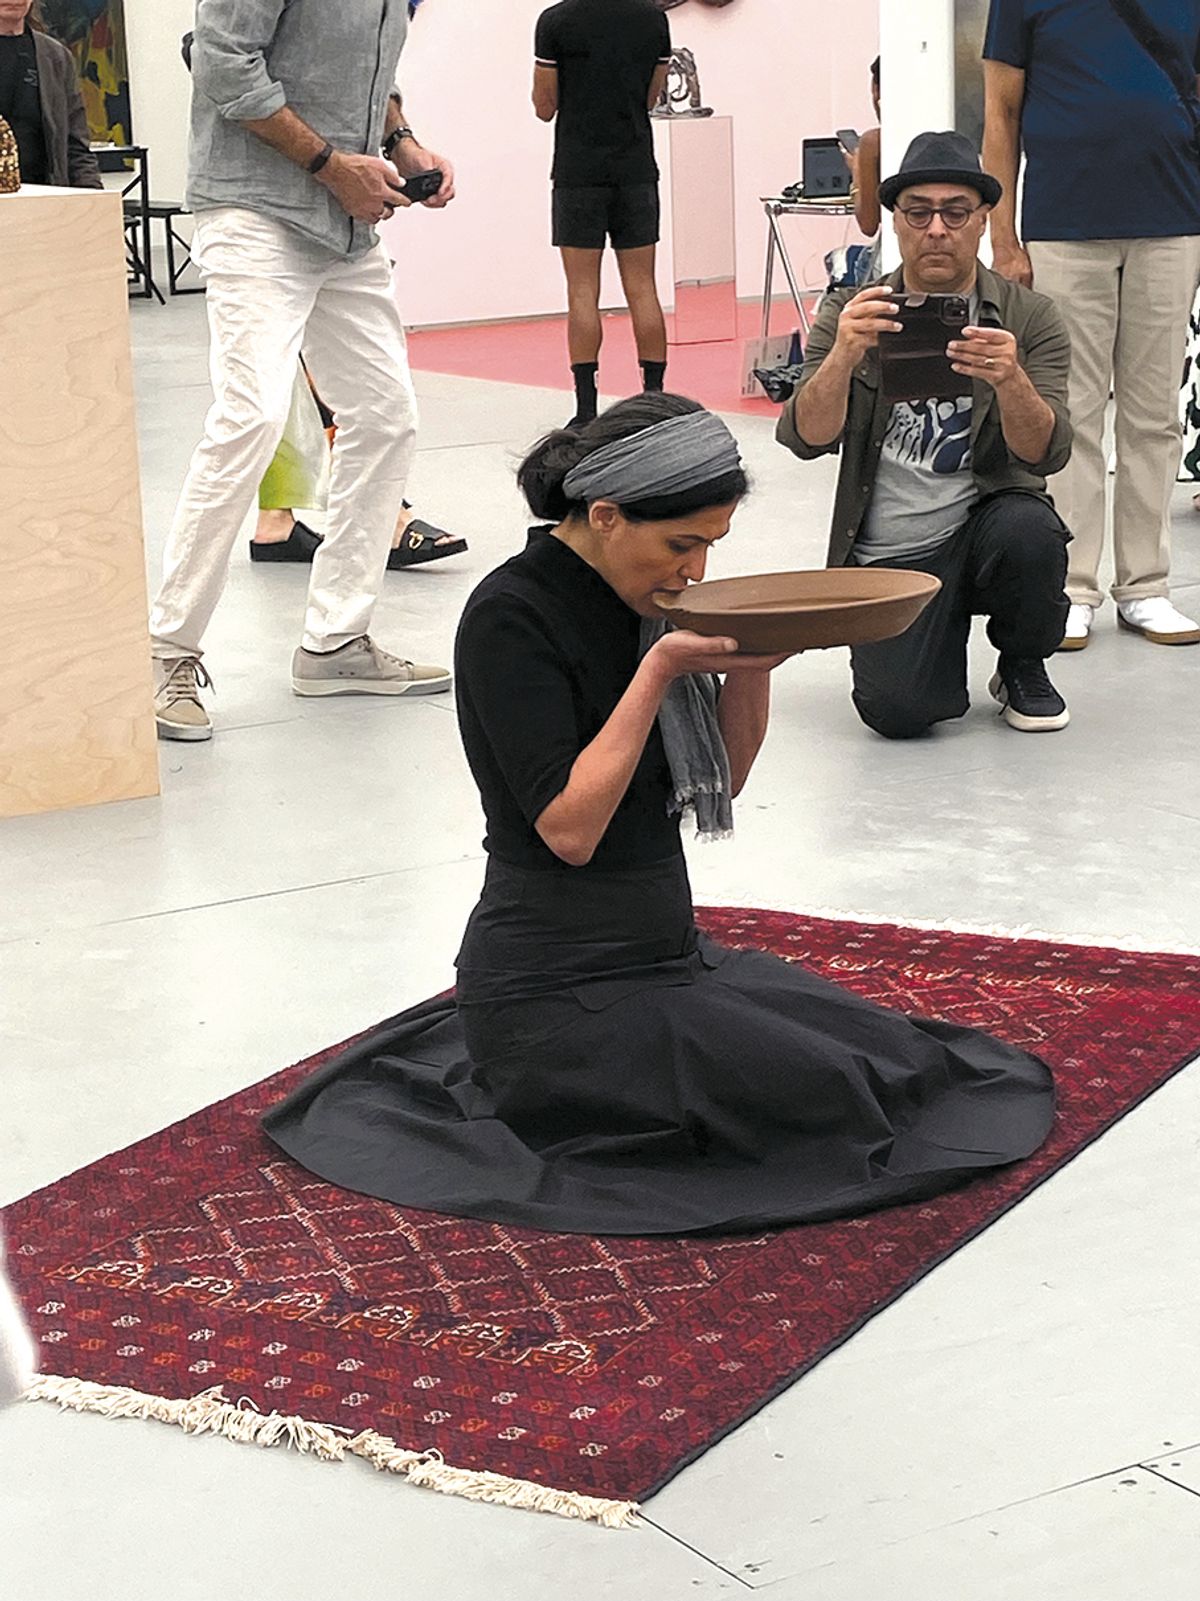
[178, 710]
[364, 668]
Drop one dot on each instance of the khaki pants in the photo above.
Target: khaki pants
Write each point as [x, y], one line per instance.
[1125, 303]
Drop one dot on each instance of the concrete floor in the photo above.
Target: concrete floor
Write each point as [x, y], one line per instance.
[1024, 1423]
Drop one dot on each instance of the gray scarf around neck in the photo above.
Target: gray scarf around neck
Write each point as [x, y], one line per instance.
[695, 748]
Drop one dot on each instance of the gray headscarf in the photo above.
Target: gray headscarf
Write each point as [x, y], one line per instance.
[664, 459]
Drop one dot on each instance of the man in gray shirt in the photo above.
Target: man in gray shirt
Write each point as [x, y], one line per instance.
[953, 487]
[299, 147]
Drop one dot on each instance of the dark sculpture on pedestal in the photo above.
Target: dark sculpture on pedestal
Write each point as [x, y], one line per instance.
[681, 93]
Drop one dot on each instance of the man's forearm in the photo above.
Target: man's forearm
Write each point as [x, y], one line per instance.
[1026, 420]
[865, 167]
[407, 155]
[395, 115]
[1002, 158]
[290, 135]
[293, 138]
[819, 409]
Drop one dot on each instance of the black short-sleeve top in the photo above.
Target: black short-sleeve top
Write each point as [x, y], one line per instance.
[545, 650]
[606, 53]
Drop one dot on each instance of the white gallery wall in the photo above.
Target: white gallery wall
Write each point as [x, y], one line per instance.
[783, 69]
[160, 89]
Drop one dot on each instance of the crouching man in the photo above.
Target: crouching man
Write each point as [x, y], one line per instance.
[956, 488]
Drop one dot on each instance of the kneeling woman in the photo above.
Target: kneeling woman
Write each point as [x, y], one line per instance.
[603, 1068]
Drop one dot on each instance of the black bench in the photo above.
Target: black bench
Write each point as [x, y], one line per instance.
[178, 249]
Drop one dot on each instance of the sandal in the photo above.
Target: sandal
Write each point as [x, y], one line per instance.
[421, 543]
[300, 545]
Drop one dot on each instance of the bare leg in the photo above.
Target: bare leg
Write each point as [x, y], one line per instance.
[585, 332]
[641, 293]
[274, 526]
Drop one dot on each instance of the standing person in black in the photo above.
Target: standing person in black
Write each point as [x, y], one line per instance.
[40, 101]
[603, 1068]
[600, 68]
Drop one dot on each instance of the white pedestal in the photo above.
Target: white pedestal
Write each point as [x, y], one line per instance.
[671, 134]
[700, 239]
[76, 710]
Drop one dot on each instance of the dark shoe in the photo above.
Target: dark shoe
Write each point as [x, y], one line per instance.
[1030, 701]
[300, 545]
[423, 542]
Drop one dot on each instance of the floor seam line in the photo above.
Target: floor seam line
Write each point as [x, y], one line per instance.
[242, 900]
[704, 1557]
[1165, 1478]
[992, 1511]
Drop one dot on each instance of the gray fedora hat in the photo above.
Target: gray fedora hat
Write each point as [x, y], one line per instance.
[940, 158]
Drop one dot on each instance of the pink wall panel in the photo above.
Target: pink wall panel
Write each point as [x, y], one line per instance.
[784, 69]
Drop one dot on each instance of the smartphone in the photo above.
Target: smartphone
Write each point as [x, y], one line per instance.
[848, 140]
[424, 185]
[914, 362]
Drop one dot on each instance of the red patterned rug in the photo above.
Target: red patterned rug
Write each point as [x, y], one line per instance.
[202, 1278]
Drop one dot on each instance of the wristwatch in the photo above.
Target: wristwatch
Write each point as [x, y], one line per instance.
[394, 138]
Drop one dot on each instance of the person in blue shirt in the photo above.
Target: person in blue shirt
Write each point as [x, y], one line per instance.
[1100, 96]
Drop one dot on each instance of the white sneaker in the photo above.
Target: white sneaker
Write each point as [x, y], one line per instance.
[364, 668]
[178, 710]
[1157, 620]
[1079, 626]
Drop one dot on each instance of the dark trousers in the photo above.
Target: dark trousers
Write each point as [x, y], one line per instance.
[1008, 562]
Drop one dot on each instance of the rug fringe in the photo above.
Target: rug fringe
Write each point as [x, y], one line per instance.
[1117, 942]
[241, 1421]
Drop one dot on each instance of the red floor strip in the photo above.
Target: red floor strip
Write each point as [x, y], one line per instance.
[535, 353]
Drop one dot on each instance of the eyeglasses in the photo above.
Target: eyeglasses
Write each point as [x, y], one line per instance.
[954, 217]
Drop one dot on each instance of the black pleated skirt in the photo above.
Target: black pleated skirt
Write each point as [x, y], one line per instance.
[604, 1069]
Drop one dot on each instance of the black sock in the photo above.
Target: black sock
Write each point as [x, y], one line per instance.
[585, 374]
[653, 376]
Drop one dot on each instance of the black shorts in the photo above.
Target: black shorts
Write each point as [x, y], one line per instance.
[587, 217]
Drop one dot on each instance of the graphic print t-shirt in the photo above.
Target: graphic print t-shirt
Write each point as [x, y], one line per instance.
[606, 53]
[925, 486]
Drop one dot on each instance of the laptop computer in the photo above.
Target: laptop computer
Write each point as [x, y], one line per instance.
[824, 173]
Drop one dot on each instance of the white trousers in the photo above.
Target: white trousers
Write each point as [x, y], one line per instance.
[272, 294]
[1125, 303]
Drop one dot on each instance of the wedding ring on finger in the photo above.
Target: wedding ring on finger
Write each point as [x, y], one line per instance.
[989, 361]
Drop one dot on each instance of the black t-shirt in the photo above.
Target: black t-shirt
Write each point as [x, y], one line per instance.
[545, 651]
[21, 104]
[606, 52]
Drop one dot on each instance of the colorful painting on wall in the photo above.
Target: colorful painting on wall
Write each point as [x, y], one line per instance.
[94, 31]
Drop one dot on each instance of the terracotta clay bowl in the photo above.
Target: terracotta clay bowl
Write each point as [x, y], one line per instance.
[774, 612]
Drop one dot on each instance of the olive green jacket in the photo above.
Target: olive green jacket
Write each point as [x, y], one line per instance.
[64, 121]
[1044, 351]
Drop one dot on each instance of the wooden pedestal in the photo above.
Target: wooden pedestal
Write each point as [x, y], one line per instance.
[76, 708]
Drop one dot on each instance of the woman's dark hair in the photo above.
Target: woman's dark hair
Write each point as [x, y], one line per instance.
[542, 472]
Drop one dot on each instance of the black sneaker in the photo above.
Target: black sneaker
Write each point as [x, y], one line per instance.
[1031, 703]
